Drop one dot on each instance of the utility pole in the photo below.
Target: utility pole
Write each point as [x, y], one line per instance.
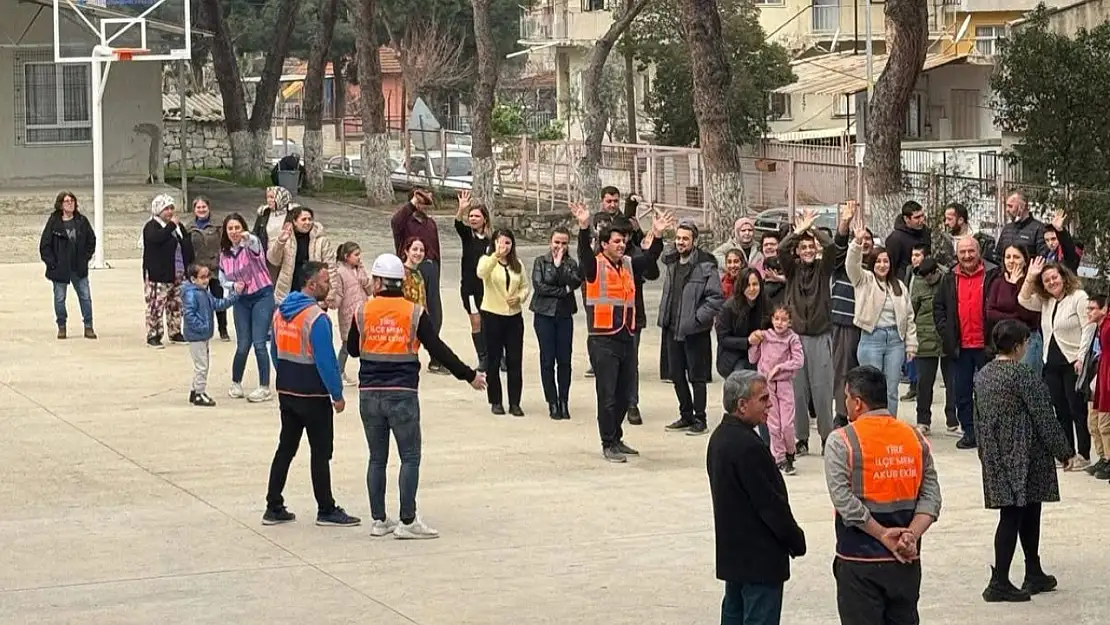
[630, 101]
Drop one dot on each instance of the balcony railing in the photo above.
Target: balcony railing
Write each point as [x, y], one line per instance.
[545, 24]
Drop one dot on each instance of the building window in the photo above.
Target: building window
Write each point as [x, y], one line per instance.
[53, 103]
[779, 106]
[595, 5]
[986, 39]
[826, 16]
[844, 106]
[770, 2]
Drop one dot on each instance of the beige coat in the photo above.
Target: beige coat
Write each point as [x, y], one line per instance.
[870, 296]
[284, 255]
[1068, 326]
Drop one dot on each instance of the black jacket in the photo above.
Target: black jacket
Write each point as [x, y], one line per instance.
[945, 310]
[551, 285]
[1068, 255]
[733, 330]
[701, 296]
[899, 247]
[755, 529]
[160, 249]
[65, 260]
[1028, 233]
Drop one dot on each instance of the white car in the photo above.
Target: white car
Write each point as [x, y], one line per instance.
[351, 166]
[451, 171]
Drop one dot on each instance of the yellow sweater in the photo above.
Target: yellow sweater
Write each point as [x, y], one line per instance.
[498, 289]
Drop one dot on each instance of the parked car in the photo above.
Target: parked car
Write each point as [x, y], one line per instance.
[778, 218]
[351, 166]
[450, 171]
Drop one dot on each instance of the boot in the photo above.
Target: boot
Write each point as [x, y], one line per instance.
[1036, 580]
[553, 410]
[480, 348]
[564, 410]
[1001, 590]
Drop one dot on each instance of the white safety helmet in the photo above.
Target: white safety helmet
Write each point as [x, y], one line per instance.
[388, 267]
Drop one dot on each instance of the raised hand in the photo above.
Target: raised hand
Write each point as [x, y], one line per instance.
[848, 211]
[1036, 266]
[581, 213]
[861, 235]
[464, 199]
[1058, 220]
[286, 232]
[661, 221]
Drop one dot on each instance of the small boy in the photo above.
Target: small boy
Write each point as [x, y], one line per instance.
[1095, 339]
[198, 321]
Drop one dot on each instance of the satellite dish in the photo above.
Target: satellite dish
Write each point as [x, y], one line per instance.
[962, 29]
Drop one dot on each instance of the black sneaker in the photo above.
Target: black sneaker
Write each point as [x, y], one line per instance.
[201, 399]
[1103, 473]
[680, 425]
[967, 442]
[154, 343]
[633, 416]
[697, 428]
[435, 367]
[337, 517]
[1038, 583]
[178, 339]
[497, 409]
[625, 449]
[224, 336]
[1002, 591]
[612, 454]
[61, 332]
[788, 468]
[590, 372]
[516, 411]
[1096, 467]
[277, 516]
[910, 395]
[802, 448]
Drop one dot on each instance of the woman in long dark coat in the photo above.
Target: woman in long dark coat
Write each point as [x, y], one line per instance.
[1018, 436]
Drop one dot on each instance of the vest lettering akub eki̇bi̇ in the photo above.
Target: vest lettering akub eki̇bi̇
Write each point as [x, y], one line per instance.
[886, 459]
[296, 363]
[387, 328]
[611, 298]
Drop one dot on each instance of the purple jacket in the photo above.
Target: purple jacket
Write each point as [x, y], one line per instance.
[782, 350]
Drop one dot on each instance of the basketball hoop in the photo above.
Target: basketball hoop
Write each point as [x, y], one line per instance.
[118, 54]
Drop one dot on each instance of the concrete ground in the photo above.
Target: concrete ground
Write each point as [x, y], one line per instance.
[123, 504]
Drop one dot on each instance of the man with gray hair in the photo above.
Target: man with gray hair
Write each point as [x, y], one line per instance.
[756, 534]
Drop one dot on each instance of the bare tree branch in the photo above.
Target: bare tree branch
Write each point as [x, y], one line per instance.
[431, 58]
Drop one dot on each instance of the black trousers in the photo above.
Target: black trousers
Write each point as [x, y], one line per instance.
[687, 366]
[877, 593]
[433, 302]
[611, 358]
[314, 416]
[927, 367]
[504, 335]
[1071, 407]
[217, 291]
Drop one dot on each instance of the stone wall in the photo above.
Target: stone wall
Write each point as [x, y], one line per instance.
[209, 147]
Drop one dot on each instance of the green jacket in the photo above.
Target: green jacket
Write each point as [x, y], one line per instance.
[921, 298]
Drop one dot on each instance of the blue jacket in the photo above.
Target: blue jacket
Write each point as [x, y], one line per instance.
[198, 311]
[296, 378]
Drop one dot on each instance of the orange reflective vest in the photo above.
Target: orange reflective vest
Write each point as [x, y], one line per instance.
[611, 298]
[295, 366]
[886, 458]
[387, 330]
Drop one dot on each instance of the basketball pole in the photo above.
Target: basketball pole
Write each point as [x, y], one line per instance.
[98, 163]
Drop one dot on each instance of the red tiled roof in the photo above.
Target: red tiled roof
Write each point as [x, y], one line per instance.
[388, 57]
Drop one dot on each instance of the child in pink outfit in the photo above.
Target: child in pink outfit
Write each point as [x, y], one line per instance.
[778, 356]
[350, 288]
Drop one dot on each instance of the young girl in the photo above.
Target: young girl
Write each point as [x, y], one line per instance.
[350, 287]
[777, 354]
[413, 286]
[200, 307]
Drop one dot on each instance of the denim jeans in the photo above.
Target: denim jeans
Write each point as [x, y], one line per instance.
[964, 367]
[383, 412]
[253, 314]
[1034, 352]
[84, 299]
[751, 604]
[885, 350]
[556, 338]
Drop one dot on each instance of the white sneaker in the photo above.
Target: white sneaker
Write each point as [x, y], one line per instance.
[236, 391]
[383, 528]
[259, 395]
[414, 530]
[347, 381]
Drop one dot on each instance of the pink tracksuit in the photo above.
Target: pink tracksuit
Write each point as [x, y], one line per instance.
[785, 351]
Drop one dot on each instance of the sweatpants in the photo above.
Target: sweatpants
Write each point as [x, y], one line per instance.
[1098, 424]
[814, 382]
[845, 342]
[780, 419]
[198, 351]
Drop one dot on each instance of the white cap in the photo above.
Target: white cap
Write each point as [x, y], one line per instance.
[388, 266]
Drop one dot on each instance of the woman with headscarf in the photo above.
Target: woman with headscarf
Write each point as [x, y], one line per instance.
[167, 251]
[1018, 437]
[271, 219]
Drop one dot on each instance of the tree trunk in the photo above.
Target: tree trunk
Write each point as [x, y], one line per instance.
[712, 79]
[484, 166]
[375, 140]
[593, 113]
[226, 68]
[269, 84]
[314, 93]
[907, 39]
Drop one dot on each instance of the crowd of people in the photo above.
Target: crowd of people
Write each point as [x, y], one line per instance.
[809, 326]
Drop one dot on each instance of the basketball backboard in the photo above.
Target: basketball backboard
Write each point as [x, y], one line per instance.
[105, 30]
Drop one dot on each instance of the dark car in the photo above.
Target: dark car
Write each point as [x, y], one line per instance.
[778, 219]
